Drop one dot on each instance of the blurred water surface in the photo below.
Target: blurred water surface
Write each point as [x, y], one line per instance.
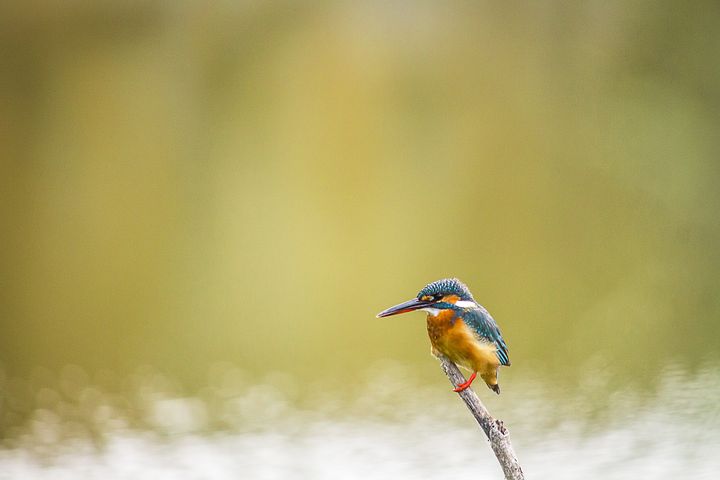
[203, 207]
[395, 428]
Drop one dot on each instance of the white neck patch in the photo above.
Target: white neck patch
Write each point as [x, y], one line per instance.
[466, 304]
[432, 311]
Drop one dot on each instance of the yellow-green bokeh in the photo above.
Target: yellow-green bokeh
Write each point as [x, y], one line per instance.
[183, 184]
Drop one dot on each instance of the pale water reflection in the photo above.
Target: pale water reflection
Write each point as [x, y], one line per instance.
[235, 429]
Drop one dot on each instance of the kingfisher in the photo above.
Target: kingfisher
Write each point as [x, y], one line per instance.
[459, 328]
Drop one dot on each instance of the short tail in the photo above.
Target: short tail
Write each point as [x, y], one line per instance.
[495, 388]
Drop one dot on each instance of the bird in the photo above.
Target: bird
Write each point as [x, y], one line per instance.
[459, 328]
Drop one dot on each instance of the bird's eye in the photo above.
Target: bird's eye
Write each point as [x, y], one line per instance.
[438, 296]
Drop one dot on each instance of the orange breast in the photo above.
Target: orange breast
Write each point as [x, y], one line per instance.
[450, 336]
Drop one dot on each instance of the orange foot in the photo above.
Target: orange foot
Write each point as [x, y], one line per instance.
[465, 384]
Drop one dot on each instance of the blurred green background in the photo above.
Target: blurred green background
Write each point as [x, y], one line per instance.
[183, 184]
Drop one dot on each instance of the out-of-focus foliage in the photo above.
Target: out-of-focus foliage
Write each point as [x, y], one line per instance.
[182, 184]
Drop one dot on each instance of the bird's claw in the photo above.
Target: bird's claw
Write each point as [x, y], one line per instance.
[465, 384]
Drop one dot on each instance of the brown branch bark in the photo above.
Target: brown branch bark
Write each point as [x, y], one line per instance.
[494, 429]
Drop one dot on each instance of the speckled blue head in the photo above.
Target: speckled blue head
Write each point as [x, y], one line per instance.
[446, 286]
[448, 293]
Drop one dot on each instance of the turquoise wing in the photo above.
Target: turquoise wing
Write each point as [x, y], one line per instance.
[480, 321]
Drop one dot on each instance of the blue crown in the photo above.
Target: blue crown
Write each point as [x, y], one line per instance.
[447, 286]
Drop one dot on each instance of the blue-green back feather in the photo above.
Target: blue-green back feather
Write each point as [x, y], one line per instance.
[480, 321]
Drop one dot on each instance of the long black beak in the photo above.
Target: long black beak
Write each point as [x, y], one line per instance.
[408, 306]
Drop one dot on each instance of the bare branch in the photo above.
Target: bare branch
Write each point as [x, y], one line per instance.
[494, 429]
